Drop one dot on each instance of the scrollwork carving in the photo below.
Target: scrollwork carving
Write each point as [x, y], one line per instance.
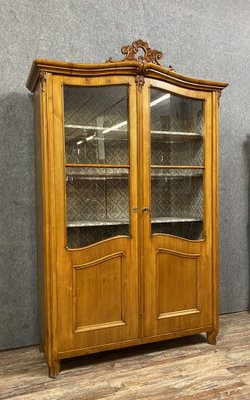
[130, 51]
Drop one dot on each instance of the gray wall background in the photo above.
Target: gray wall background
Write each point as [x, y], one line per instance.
[209, 40]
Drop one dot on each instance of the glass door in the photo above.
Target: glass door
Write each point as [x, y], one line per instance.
[177, 209]
[96, 193]
[97, 163]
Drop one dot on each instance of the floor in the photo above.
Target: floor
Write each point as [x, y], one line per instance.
[187, 368]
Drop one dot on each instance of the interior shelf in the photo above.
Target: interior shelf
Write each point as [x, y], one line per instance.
[118, 134]
[96, 176]
[79, 224]
[174, 136]
[181, 175]
[125, 176]
[170, 220]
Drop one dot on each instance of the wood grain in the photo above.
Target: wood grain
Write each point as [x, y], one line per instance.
[187, 368]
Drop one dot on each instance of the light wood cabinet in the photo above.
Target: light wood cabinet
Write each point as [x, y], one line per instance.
[126, 190]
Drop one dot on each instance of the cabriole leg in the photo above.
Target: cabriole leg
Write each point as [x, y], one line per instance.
[211, 337]
[54, 369]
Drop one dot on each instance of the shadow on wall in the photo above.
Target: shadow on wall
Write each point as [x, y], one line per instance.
[247, 154]
[17, 223]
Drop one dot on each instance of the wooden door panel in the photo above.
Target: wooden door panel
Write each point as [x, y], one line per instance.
[99, 293]
[97, 297]
[178, 293]
[178, 283]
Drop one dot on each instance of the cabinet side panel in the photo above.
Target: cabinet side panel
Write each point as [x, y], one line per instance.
[40, 224]
[215, 276]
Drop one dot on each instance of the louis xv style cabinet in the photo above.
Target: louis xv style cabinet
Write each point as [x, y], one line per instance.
[126, 187]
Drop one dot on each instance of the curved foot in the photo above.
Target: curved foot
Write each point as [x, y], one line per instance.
[54, 369]
[211, 337]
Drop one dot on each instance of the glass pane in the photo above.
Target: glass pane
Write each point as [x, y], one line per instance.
[176, 129]
[84, 236]
[97, 204]
[177, 202]
[96, 124]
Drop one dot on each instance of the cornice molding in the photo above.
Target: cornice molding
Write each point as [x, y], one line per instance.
[132, 64]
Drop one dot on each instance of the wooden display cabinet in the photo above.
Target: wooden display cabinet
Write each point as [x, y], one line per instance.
[126, 190]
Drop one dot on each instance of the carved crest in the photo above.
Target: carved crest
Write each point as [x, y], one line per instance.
[130, 51]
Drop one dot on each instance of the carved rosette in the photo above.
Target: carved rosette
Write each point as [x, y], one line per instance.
[130, 51]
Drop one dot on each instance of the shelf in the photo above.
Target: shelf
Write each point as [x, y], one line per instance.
[170, 220]
[90, 173]
[90, 133]
[96, 171]
[96, 177]
[84, 127]
[109, 222]
[176, 136]
[78, 224]
[72, 177]
[161, 132]
[179, 176]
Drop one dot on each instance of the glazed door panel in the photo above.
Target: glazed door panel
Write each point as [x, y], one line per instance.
[177, 209]
[96, 194]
